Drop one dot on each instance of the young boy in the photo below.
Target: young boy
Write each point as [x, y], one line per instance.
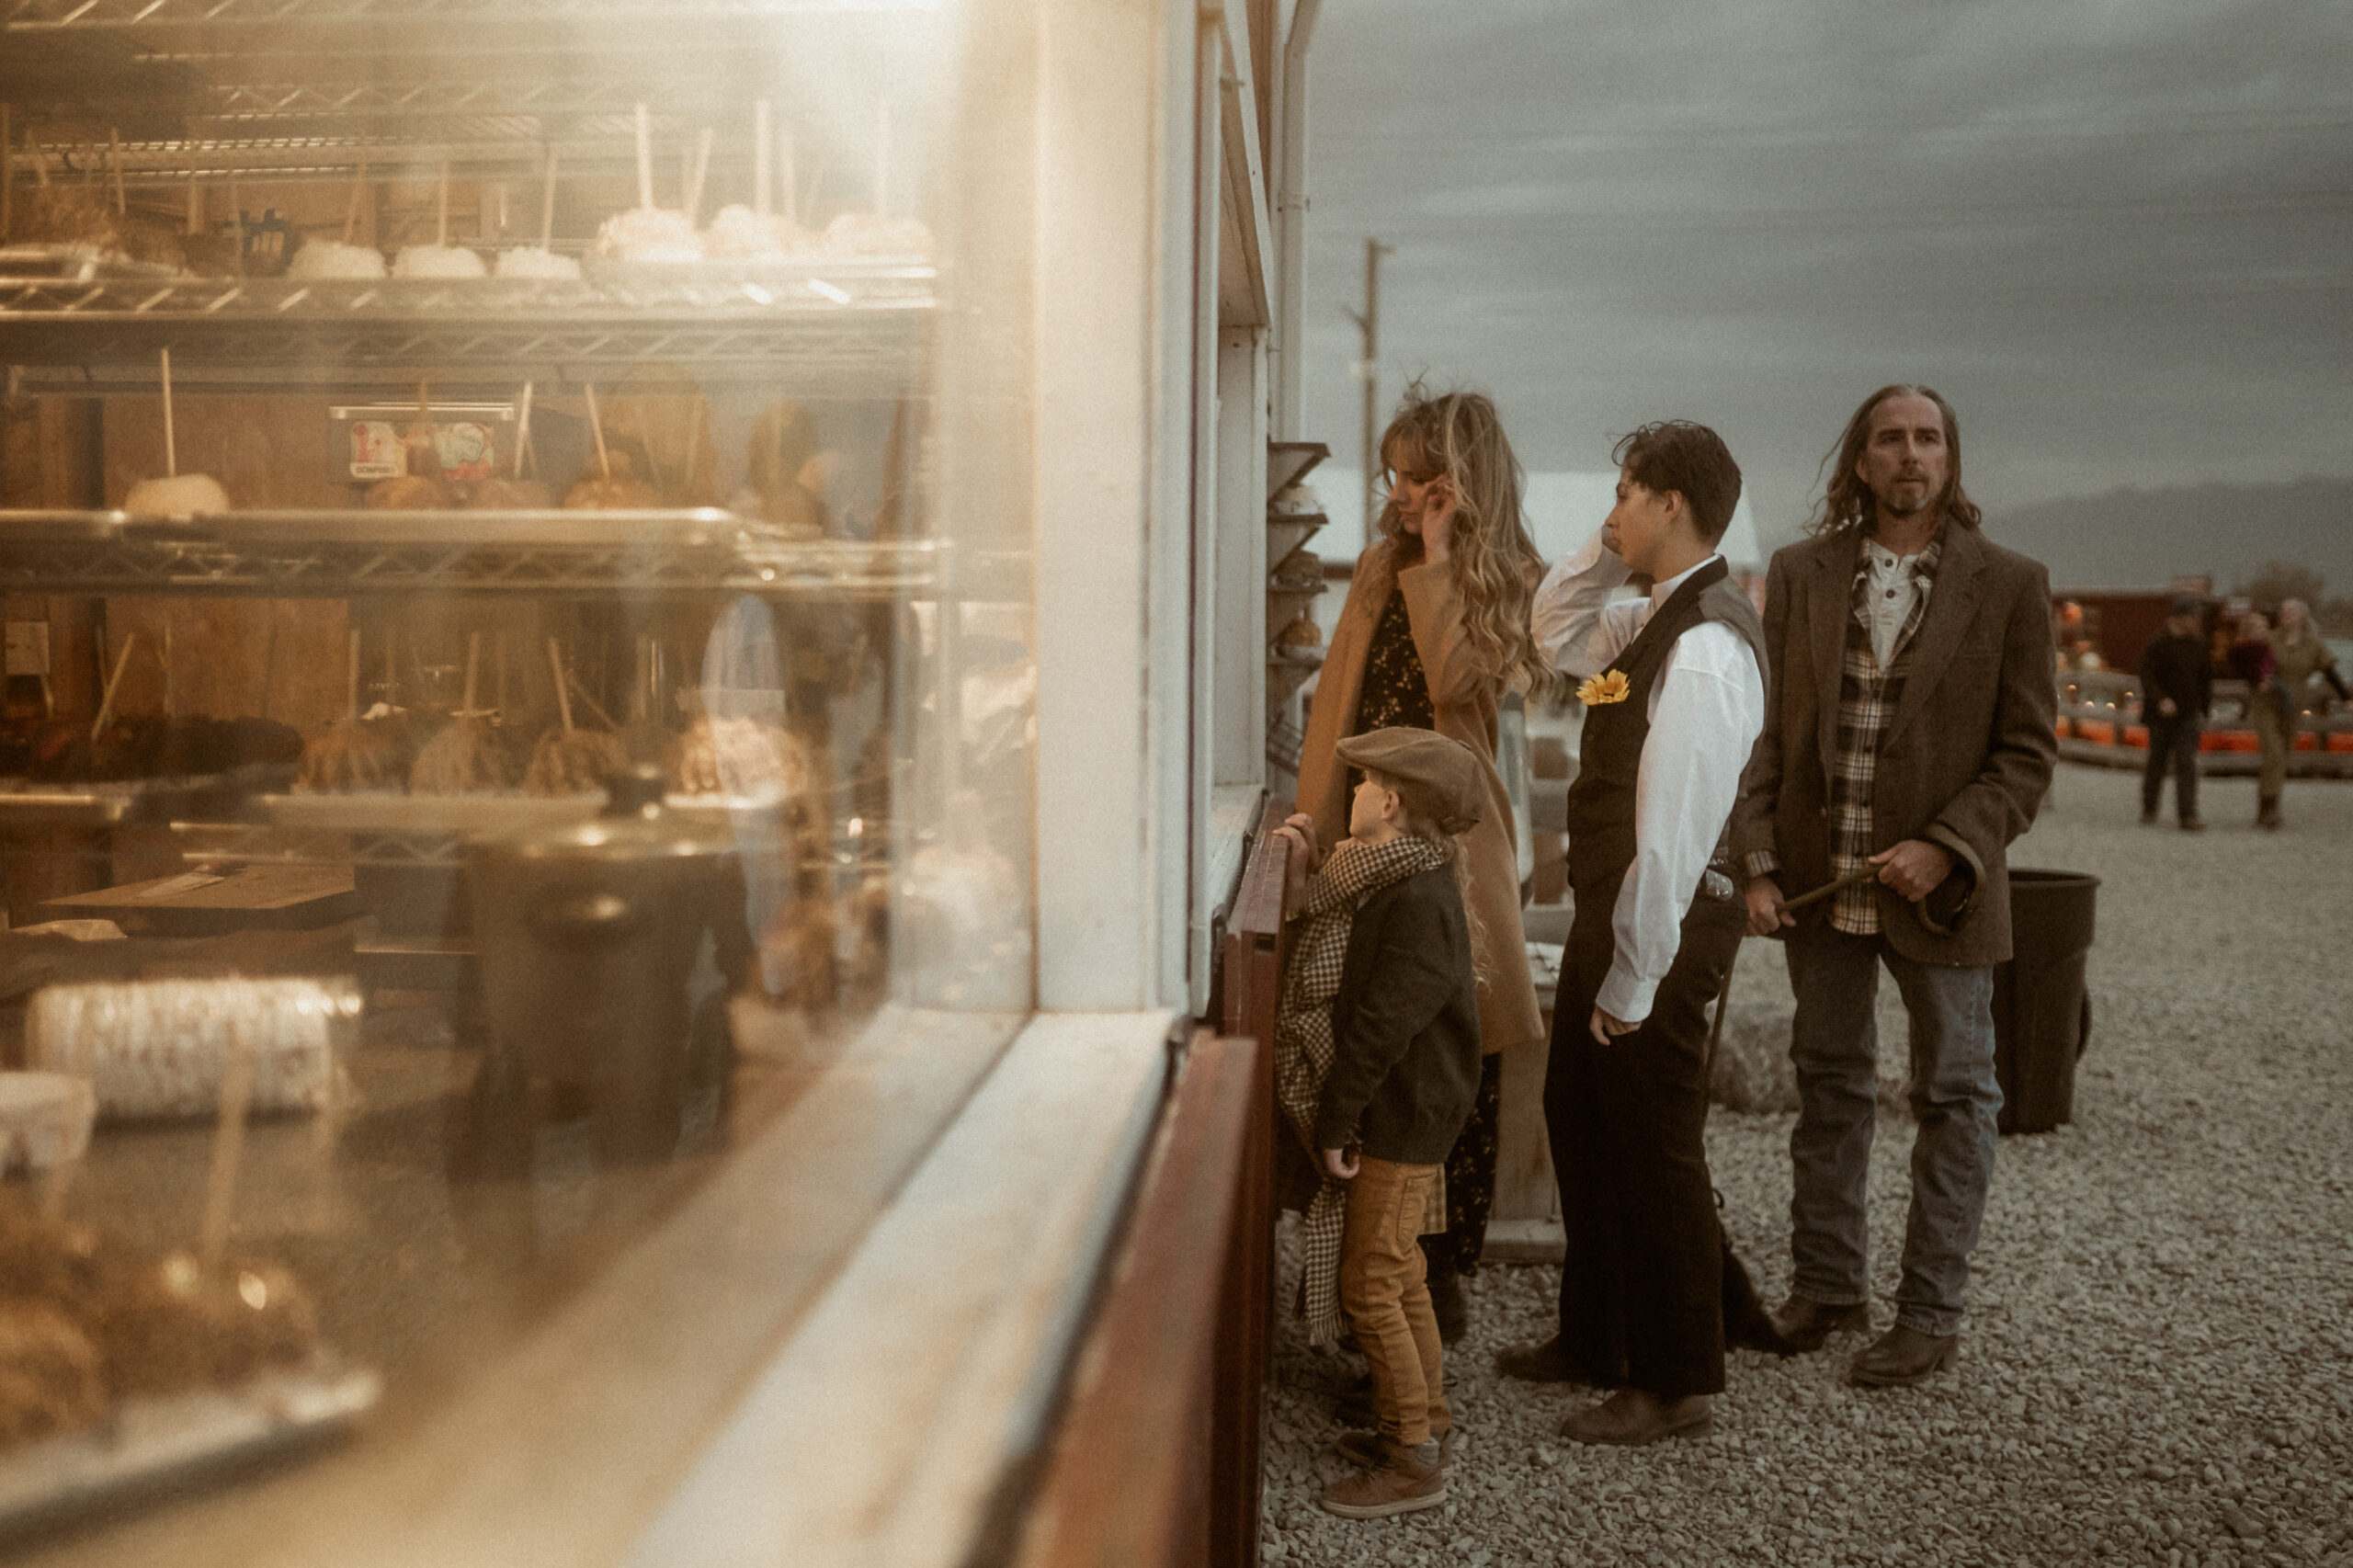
[1404, 1070]
[1674, 701]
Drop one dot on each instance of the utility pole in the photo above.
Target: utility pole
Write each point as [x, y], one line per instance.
[1368, 368]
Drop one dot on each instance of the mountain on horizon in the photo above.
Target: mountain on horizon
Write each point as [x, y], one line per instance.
[2131, 538]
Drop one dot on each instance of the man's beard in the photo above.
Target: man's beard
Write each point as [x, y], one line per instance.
[1897, 510]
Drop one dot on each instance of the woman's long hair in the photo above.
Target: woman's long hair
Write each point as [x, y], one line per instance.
[1459, 437]
[1847, 502]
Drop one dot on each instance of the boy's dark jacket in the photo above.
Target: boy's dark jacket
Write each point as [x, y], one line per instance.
[1404, 1026]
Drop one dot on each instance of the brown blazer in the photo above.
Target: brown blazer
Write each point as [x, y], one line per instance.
[1970, 745]
[1464, 694]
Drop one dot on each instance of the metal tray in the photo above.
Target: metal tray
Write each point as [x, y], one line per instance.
[152, 1442]
[30, 806]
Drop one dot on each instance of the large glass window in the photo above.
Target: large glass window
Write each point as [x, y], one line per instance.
[519, 659]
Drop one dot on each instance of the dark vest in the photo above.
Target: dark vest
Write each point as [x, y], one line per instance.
[1601, 802]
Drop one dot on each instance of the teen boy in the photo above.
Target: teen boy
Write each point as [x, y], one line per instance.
[1674, 700]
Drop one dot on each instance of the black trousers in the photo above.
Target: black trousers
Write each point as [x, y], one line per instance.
[2172, 745]
[1641, 1284]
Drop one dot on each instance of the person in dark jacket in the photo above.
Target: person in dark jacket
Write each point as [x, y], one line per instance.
[1404, 1071]
[2177, 683]
[1910, 740]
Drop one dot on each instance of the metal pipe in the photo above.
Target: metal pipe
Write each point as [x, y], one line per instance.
[1370, 369]
[1291, 220]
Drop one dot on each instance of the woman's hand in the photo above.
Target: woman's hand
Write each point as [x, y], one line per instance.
[1339, 1164]
[1438, 519]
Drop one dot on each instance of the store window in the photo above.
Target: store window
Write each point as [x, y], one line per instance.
[521, 658]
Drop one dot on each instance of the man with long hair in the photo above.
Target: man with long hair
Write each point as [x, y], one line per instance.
[1908, 741]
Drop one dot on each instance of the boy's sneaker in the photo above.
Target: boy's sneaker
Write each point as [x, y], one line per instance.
[1408, 1479]
[1370, 1450]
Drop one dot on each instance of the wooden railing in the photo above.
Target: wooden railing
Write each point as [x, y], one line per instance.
[1155, 1461]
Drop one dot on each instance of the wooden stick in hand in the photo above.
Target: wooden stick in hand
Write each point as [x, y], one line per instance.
[1853, 878]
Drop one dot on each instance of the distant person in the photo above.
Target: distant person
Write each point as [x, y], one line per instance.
[1405, 1069]
[2252, 660]
[1910, 735]
[1675, 697]
[2177, 690]
[1434, 633]
[2303, 656]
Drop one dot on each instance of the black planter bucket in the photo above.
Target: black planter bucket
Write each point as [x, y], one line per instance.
[2042, 1013]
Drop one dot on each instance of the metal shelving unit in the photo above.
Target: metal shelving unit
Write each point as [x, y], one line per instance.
[339, 554]
[292, 91]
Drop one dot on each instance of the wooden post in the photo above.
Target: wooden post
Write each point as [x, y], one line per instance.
[1131, 1475]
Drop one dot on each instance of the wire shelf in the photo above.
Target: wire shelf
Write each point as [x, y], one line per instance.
[45, 15]
[860, 321]
[343, 554]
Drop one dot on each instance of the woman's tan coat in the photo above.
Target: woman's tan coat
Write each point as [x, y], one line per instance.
[1464, 692]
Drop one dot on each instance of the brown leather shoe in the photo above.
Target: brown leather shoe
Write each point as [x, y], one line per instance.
[1408, 1480]
[1630, 1418]
[1545, 1363]
[1806, 1326]
[1903, 1357]
[1370, 1450]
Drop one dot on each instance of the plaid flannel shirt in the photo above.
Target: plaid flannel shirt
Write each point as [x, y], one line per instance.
[1868, 694]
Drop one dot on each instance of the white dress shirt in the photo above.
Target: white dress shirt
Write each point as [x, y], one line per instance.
[1706, 710]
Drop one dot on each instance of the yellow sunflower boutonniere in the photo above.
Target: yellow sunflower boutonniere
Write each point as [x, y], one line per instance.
[1608, 687]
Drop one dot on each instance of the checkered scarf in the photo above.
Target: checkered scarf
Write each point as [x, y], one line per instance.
[1868, 694]
[1304, 1047]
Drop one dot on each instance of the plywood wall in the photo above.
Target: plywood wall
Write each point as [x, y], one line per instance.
[265, 451]
[279, 659]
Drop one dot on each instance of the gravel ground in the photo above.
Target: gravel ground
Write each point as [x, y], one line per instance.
[2158, 1366]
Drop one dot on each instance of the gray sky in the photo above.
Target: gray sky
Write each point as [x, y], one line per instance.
[2115, 233]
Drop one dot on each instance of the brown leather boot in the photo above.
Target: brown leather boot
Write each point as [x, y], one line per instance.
[1545, 1363]
[1630, 1418]
[1408, 1479]
[1806, 1326]
[1903, 1357]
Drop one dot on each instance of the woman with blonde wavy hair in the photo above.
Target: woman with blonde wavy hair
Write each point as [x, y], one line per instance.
[1434, 633]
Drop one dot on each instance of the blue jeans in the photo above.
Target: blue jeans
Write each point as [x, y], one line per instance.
[1834, 1045]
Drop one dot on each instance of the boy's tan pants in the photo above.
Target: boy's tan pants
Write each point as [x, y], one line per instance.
[1388, 1300]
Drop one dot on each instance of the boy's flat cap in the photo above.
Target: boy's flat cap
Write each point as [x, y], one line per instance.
[1448, 768]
